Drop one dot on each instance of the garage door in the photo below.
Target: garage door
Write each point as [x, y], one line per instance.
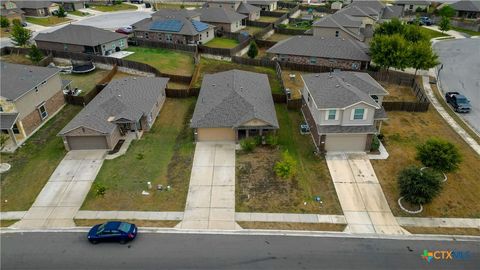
[87, 142]
[345, 142]
[215, 134]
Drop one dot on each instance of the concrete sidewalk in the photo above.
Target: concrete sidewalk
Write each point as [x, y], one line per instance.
[365, 208]
[65, 191]
[211, 195]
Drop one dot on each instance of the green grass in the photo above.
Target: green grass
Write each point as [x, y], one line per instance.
[267, 19]
[78, 13]
[224, 43]
[278, 37]
[86, 82]
[166, 61]
[119, 7]
[466, 31]
[174, 6]
[34, 162]
[164, 155]
[46, 21]
[7, 222]
[210, 66]
[429, 33]
[252, 30]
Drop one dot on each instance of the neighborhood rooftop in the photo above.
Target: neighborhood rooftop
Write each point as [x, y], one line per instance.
[80, 35]
[189, 14]
[173, 24]
[219, 15]
[230, 98]
[466, 5]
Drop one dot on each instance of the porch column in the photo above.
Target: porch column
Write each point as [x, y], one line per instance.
[380, 127]
[261, 131]
[246, 133]
[12, 136]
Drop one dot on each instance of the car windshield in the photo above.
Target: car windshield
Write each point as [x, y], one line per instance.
[124, 227]
[101, 228]
[462, 100]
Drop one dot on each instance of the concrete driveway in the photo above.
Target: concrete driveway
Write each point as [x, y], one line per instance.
[360, 194]
[211, 195]
[65, 191]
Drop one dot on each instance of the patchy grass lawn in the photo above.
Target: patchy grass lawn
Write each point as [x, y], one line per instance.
[447, 231]
[403, 132]
[78, 13]
[210, 66]
[122, 75]
[259, 190]
[138, 222]
[16, 59]
[7, 223]
[292, 226]
[162, 156]
[5, 32]
[110, 8]
[278, 37]
[166, 61]
[398, 93]
[46, 21]
[34, 162]
[252, 30]
[224, 43]
[267, 19]
[294, 84]
[432, 33]
[87, 81]
[177, 85]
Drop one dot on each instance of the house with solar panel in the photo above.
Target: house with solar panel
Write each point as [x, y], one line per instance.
[225, 20]
[178, 27]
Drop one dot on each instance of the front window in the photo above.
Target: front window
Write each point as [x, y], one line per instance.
[313, 60]
[337, 33]
[358, 114]
[65, 47]
[121, 43]
[43, 111]
[332, 114]
[168, 37]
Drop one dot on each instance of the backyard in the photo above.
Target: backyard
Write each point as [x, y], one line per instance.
[16, 59]
[110, 8]
[210, 66]
[403, 132]
[85, 82]
[166, 61]
[224, 43]
[278, 37]
[398, 93]
[34, 162]
[258, 189]
[162, 156]
[267, 19]
[252, 30]
[295, 84]
[46, 21]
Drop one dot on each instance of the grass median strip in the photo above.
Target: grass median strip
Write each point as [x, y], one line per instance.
[7, 223]
[292, 226]
[447, 231]
[138, 222]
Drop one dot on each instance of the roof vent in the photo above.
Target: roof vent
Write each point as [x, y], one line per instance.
[119, 95]
[213, 84]
[110, 118]
[338, 85]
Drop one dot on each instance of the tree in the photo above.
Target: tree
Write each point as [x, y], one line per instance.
[252, 50]
[447, 11]
[4, 22]
[439, 155]
[419, 187]
[389, 51]
[413, 33]
[16, 22]
[287, 167]
[35, 54]
[444, 24]
[422, 56]
[20, 36]
[61, 12]
[388, 28]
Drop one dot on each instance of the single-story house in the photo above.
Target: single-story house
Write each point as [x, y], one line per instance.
[186, 13]
[71, 5]
[332, 52]
[83, 39]
[239, 6]
[174, 28]
[233, 105]
[29, 97]
[343, 26]
[343, 109]
[413, 5]
[9, 10]
[469, 9]
[267, 5]
[253, 12]
[124, 106]
[223, 19]
[37, 8]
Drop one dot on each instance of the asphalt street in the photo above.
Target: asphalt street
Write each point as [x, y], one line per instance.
[461, 72]
[112, 21]
[69, 250]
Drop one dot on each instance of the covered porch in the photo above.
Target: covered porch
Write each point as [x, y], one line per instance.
[253, 131]
[12, 137]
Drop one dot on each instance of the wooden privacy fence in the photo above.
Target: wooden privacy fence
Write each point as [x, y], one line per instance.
[182, 93]
[265, 43]
[406, 106]
[258, 24]
[271, 13]
[263, 32]
[289, 5]
[281, 19]
[293, 32]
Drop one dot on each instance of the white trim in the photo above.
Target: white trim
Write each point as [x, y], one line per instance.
[365, 112]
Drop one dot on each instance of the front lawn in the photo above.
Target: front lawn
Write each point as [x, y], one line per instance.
[466, 31]
[163, 156]
[78, 13]
[259, 190]
[432, 33]
[166, 61]
[34, 162]
[292, 226]
[210, 66]
[224, 43]
[138, 222]
[403, 132]
[87, 81]
[46, 21]
[110, 8]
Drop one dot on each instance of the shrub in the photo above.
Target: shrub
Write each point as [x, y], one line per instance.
[419, 187]
[286, 168]
[249, 144]
[375, 144]
[100, 190]
[252, 50]
[282, 26]
[271, 139]
[35, 54]
[380, 136]
[439, 155]
[4, 22]
[16, 22]
[61, 12]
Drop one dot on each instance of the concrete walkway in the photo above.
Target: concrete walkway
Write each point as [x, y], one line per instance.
[290, 218]
[453, 33]
[211, 195]
[65, 191]
[438, 106]
[365, 208]
[139, 215]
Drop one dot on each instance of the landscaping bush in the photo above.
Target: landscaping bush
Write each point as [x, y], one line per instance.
[252, 50]
[61, 12]
[439, 155]
[287, 167]
[271, 139]
[100, 190]
[16, 22]
[375, 144]
[419, 187]
[249, 144]
[4, 22]
[381, 136]
[35, 54]
[282, 26]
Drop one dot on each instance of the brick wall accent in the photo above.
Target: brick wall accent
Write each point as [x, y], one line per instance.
[33, 120]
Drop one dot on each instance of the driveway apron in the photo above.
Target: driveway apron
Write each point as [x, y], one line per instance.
[363, 203]
[65, 191]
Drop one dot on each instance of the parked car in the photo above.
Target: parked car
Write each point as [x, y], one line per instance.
[112, 231]
[125, 30]
[459, 102]
[421, 21]
[136, 1]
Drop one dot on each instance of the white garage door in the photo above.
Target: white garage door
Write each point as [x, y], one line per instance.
[346, 142]
[215, 134]
[87, 142]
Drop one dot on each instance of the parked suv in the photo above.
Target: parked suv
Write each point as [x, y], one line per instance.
[421, 21]
[458, 101]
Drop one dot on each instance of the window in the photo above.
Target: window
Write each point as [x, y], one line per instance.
[43, 111]
[36, 89]
[332, 114]
[411, 7]
[375, 98]
[207, 34]
[168, 37]
[1, 109]
[65, 47]
[313, 60]
[121, 43]
[146, 36]
[358, 114]
[337, 33]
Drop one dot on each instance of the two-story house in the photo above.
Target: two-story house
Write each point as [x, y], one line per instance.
[343, 109]
[30, 96]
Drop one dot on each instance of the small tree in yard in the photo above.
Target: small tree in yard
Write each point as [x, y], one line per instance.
[20, 36]
[419, 187]
[439, 155]
[61, 12]
[35, 54]
[389, 51]
[444, 24]
[447, 11]
[16, 22]
[4, 22]
[422, 56]
[252, 50]
[287, 167]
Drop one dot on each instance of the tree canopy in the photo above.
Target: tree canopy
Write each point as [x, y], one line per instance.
[389, 51]
[439, 155]
[417, 186]
[20, 35]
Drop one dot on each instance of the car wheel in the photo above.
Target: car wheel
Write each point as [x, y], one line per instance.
[93, 242]
[123, 241]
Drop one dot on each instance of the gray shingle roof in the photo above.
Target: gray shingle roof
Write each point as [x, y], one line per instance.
[342, 89]
[380, 114]
[219, 15]
[331, 48]
[345, 129]
[246, 8]
[342, 21]
[128, 98]
[231, 98]
[391, 12]
[261, 2]
[80, 35]
[189, 14]
[17, 80]
[33, 4]
[466, 5]
[7, 120]
[412, 2]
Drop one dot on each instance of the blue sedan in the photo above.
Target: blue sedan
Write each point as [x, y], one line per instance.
[112, 231]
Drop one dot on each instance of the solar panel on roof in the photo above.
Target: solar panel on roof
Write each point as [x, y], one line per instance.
[199, 26]
[167, 25]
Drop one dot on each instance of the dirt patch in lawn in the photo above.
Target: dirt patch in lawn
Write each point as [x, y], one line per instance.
[138, 222]
[399, 93]
[447, 231]
[295, 84]
[292, 226]
[16, 59]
